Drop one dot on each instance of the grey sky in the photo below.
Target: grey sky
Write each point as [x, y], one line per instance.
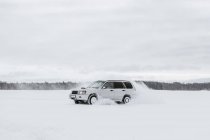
[91, 39]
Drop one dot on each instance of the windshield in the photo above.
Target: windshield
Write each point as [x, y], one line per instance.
[96, 84]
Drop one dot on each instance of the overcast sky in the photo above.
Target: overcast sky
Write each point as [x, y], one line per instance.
[53, 40]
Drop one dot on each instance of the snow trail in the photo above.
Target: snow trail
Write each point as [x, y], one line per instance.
[144, 95]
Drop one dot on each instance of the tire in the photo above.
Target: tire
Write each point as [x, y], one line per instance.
[92, 100]
[76, 102]
[126, 99]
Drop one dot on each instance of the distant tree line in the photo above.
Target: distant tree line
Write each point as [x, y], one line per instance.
[38, 86]
[70, 85]
[176, 86]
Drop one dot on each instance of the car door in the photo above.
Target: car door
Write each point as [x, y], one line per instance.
[107, 90]
[129, 88]
[119, 91]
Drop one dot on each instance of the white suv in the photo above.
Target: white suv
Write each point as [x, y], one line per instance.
[118, 90]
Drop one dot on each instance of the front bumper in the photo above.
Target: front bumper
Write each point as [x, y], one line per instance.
[83, 97]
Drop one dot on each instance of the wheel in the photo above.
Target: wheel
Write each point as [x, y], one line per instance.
[76, 102]
[126, 99]
[92, 100]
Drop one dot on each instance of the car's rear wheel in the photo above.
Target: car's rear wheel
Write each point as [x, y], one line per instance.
[92, 100]
[126, 99]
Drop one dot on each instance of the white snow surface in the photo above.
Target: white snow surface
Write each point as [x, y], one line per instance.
[154, 115]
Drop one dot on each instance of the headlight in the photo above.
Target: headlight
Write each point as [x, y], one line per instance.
[82, 92]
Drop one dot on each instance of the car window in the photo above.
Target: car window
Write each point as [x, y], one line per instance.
[118, 85]
[96, 84]
[128, 85]
[109, 85]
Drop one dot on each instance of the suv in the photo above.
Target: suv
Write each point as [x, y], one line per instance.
[120, 91]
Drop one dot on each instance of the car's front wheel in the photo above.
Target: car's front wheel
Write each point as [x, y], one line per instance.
[126, 99]
[76, 102]
[92, 100]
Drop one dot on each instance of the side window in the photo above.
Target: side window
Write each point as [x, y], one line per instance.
[108, 85]
[118, 85]
[128, 85]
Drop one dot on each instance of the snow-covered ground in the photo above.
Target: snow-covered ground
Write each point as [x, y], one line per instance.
[156, 115]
